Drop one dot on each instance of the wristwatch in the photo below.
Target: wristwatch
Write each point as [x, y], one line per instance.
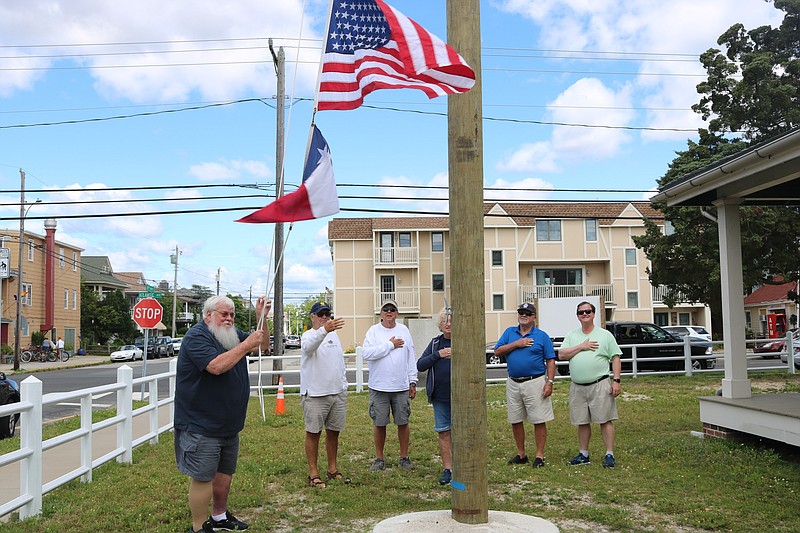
[550, 381]
[616, 380]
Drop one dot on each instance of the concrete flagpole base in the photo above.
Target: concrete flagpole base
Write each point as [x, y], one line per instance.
[442, 522]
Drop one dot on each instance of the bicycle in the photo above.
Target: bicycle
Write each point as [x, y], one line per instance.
[35, 353]
[65, 355]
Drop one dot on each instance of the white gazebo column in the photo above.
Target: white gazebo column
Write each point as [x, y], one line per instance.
[735, 384]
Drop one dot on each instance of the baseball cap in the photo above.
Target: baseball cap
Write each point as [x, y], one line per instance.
[527, 306]
[319, 306]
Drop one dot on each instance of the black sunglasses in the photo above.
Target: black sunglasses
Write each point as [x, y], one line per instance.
[524, 313]
[585, 312]
[324, 313]
[389, 309]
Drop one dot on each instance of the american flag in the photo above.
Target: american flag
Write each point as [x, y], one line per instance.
[370, 45]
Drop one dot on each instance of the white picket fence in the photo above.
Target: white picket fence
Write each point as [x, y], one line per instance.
[30, 456]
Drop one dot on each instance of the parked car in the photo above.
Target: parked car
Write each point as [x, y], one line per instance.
[691, 331]
[164, 347]
[128, 352]
[491, 358]
[785, 356]
[176, 344]
[151, 346]
[771, 349]
[292, 341]
[629, 333]
[9, 393]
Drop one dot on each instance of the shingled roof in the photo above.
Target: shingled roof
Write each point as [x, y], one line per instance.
[523, 214]
[770, 293]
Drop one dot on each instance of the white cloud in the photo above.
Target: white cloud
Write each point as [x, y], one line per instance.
[230, 170]
[240, 68]
[526, 189]
[601, 27]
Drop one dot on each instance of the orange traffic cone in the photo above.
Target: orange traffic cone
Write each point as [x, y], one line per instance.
[280, 407]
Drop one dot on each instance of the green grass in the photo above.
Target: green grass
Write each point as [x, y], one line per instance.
[666, 480]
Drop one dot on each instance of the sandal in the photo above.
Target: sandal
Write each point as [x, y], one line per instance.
[336, 476]
[316, 482]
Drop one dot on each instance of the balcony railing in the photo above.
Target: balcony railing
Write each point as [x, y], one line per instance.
[658, 294]
[184, 317]
[394, 256]
[530, 292]
[407, 301]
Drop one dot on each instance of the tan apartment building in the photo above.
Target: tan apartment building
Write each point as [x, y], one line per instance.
[531, 251]
[51, 287]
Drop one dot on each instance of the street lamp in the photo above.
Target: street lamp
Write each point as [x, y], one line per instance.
[22, 214]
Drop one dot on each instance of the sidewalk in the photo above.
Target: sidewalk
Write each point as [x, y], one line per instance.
[74, 362]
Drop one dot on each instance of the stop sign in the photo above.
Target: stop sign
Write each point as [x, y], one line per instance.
[147, 313]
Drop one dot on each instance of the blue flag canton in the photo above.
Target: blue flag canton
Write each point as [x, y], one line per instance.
[357, 25]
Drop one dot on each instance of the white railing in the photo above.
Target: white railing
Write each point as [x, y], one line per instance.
[30, 455]
[658, 294]
[406, 255]
[407, 301]
[530, 292]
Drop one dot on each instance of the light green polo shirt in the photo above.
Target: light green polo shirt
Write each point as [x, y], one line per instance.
[589, 365]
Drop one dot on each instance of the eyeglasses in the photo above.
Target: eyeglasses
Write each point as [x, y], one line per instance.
[226, 314]
[522, 312]
[389, 310]
[585, 312]
[324, 313]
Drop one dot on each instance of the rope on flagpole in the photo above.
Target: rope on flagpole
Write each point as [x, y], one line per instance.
[263, 316]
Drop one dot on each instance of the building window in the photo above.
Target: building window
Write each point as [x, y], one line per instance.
[630, 256]
[497, 258]
[60, 258]
[437, 242]
[497, 302]
[633, 300]
[548, 230]
[66, 298]
[591, 229]
[27, 289]
[74, 261]
[559, 276]
[438, 282]
[684, 319]
[404, 240]
[74, 299]
[669, 229]
[31, 247]
[661, 319]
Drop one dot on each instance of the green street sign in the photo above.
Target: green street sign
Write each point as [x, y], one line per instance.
[143, 295]
[156, 295]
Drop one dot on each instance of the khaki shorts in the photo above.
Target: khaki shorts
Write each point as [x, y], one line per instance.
[592, 403]
[328, 411]
[525, 401]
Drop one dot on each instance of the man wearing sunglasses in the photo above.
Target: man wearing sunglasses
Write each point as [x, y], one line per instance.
[531, 363]
[592, 396]
[392, 361]
[323, 391]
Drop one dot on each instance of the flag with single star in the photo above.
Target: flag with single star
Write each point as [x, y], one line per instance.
[370, 45]
[315, 198]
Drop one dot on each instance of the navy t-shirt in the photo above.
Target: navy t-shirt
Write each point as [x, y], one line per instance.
[214, 406]
[529, 361]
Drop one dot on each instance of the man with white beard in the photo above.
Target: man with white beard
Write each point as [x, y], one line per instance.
[212, 390]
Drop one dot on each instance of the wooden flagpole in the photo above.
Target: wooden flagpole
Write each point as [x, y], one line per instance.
[470, 499]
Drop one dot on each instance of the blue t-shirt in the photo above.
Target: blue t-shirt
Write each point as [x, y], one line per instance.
[214, 406]
[529, 361]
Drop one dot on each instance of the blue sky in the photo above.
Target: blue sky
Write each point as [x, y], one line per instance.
[629, 64]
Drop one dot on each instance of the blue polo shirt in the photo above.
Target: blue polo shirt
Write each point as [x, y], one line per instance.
[530, 361]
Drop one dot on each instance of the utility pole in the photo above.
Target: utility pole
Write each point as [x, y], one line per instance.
[19, 267]
[465, 165]
[218, 281]
[279, 59]
[174, 260]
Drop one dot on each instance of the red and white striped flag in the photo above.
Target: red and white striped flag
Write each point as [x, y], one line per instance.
[370, 45]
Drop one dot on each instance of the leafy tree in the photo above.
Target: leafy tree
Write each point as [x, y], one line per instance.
[102, 319]
[751, 89]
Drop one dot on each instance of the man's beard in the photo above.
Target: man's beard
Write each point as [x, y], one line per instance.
[226, 336]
